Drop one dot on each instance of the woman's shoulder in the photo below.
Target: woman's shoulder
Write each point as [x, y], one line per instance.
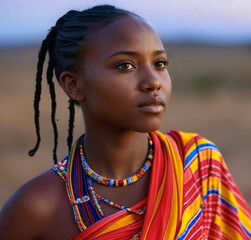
[188, 137]
[193, 147]
[38, 194]
[30, 209]
[191, 141]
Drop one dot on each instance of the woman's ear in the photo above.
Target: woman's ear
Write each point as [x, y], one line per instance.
[70, 84]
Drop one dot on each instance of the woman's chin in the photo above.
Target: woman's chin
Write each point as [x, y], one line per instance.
[146, 128]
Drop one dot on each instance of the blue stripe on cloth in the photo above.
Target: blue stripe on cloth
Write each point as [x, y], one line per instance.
[228, 204]
[190, 224]
[193, 154]
[211, 191]
[224, 201]
[246, 230]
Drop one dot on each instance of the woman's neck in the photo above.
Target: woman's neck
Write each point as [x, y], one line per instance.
[115, 154]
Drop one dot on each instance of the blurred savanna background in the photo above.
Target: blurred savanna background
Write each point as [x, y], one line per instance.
[209, 48]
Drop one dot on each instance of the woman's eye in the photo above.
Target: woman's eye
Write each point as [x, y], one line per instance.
[161, 64]
[125, 66]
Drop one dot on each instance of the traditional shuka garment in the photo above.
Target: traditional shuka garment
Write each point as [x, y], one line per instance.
[191, 196]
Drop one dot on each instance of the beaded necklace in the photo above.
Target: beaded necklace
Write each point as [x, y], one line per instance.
[123, 182]
[118, 206]
[96, 198]
[79, 186]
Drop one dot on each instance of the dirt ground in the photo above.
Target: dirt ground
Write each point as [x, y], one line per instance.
[211, 96]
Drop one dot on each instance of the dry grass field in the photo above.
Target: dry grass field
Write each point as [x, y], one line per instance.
[211, 96]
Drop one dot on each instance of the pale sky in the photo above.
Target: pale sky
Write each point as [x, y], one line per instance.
[222, 21]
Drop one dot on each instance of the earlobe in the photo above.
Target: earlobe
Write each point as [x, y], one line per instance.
[70, 83]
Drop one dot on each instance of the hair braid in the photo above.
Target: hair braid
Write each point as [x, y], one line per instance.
[47, 45]
[49, 76]
[65, 43]
[71, 124]
[37, 96]
[53, 107]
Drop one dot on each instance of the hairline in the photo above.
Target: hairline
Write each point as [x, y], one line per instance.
[94, 30]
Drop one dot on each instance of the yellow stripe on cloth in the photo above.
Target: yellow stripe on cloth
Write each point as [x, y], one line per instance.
[173, 220]
[227, 230]
[230, 198]
[186, 137]
[159, 196]
[70, 173]
[177, 200]
[125, 221]
[189, 213]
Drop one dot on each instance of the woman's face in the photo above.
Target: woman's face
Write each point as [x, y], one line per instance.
[124, 77]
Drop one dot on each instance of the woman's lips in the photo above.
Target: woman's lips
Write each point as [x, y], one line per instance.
[152, 109]
[152, 105]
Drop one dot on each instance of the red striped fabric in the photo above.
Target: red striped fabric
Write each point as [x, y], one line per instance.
[213, 206]
[192, 196]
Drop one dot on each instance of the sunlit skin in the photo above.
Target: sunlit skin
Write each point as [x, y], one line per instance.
[120, 74]
[123, 88]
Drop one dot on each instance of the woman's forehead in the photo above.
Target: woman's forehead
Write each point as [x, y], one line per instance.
[125, 25]
[127, 33]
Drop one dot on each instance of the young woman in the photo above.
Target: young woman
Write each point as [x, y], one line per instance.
[122, 179]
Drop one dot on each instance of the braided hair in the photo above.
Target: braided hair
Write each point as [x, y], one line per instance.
[63, 44]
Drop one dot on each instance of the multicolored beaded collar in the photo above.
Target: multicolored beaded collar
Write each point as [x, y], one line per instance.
[85, 201]
[117, 183]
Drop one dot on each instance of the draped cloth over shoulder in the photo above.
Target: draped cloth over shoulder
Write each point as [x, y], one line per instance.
[164, 201]
[191, 195]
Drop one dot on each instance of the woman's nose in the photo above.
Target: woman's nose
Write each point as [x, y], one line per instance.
[150, 80]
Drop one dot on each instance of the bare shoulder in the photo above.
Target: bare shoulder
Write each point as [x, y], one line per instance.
[30, 209]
